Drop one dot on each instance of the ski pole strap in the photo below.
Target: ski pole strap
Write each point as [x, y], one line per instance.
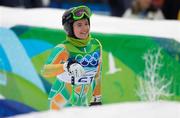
[72, 80]
[73, 89]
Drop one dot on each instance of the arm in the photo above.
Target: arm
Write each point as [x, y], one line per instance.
[96, 98]
[54, 64]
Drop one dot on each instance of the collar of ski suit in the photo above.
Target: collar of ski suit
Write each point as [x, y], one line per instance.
[79, 42]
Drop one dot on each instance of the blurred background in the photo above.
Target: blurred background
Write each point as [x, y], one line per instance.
[169, 8]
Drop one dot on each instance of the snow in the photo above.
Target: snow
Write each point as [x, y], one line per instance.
[51, 18]
[161, 109]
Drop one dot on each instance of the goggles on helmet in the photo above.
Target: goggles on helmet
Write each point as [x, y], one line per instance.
[79, 12]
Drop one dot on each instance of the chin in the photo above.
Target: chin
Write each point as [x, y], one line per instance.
[84, 37]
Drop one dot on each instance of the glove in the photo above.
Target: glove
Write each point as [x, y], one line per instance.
[74, 69]
[96, 100]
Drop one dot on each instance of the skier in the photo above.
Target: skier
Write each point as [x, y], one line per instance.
[76, 63]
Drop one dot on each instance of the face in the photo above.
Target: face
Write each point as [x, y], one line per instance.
[81, 28]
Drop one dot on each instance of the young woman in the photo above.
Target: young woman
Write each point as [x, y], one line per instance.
[76, 63]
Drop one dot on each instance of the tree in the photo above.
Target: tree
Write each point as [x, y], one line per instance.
[152, 86]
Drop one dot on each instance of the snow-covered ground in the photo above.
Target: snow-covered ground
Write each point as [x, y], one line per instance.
[51, 18]
[160, 109]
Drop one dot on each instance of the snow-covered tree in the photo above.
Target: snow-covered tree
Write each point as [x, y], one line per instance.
[152, 86]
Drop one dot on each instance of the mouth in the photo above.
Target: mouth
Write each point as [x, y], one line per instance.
[84, 33]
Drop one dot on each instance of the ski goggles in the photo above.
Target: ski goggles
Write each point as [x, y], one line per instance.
[79, 12]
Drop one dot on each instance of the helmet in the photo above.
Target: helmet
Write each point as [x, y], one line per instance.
[72, 15]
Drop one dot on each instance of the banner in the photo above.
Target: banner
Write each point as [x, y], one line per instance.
[24, 50]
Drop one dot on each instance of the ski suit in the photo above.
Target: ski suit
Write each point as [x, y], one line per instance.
[85, 90]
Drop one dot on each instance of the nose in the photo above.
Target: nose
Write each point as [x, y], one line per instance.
[86, 28]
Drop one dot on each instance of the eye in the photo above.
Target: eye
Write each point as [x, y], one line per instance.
[86, 23]
[79, 24]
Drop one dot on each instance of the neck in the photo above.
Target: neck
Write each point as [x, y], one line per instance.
[78, 42]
